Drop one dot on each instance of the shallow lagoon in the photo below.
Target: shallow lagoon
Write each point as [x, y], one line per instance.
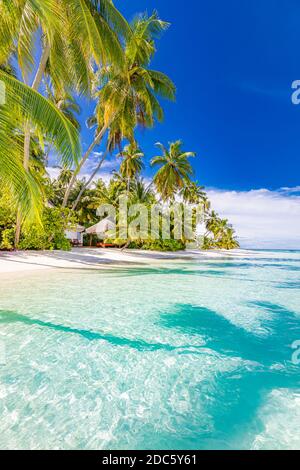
[179, 356]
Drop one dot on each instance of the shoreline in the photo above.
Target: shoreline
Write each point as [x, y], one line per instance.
[101, 258]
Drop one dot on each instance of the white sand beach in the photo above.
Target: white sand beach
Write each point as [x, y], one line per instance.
[99, 258]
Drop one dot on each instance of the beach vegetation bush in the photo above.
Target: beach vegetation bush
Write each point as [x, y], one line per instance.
[50, 235]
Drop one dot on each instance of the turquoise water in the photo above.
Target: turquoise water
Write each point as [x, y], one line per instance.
[183, 355]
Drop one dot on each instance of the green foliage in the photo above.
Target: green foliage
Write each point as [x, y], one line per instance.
[24, 104]
[7, 239]
[132, 163]
[175, 170]
[163, 245]
[7, 210]
[151, 245]
[128, 96]
[87, 47]
[7, 220]
[51, 234]
[220, 233]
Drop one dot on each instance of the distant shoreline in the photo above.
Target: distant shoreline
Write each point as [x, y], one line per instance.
[100, 258]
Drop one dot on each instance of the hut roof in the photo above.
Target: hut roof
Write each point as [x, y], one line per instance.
[75, 228]
[101, 227]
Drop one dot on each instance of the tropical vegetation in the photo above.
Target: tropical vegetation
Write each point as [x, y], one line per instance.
[53, 53]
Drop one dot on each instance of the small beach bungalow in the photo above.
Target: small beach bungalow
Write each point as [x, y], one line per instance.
[75, 235]
[101, 229]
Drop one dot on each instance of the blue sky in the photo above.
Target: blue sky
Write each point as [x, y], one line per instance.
[233, 64]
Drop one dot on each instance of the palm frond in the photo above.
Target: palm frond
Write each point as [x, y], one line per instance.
[22, 105]
[34, 108]
[163, 85]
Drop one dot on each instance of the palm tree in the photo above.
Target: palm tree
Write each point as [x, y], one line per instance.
[127, 96]
[132, 163]
[228, 240]
[140, 193]
[72, 33]
[64, 177]
[67, 104]
[88, 182]
[175, 170]
[24, 104]
[221, 228]
[212, 223]
[219, 233]
[192, 193]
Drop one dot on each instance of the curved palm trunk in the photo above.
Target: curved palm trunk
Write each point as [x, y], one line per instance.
[89, 180]
[96, 141]
[42, 66]
[127, 245]
[35, 85]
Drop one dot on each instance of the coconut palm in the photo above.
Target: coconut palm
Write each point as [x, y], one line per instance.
[212, 223]
[221, 228]
[87, 182]
[140, 193]
[65, 102]
[127, 96]
[228, 240]
[23, 104]
[132, 162]
[192, 193]
[175, 170]
[64, 177]
[219, 233]
[71, 33]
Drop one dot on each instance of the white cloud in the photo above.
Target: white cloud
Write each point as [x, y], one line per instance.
[104, 176]
[109, 164]
[53, 172]
[261, 218]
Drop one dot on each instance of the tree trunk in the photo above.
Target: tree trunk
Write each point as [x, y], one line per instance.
[18, 229]
[35, 85]
[127, 245]
[42, 66]
[89, 180]
[95, 142]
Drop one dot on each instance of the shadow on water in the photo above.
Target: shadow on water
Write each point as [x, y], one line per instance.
[231, 398]
[139, 345]
[236, 396]
[168, 271]
[283, 327]
[178, 271]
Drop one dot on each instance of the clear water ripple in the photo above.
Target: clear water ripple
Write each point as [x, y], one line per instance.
[181, 356]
